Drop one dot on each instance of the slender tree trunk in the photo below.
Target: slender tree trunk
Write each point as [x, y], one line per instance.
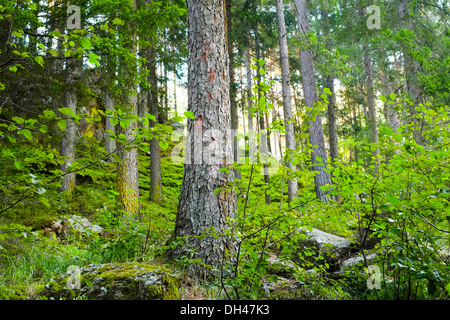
[248, 64]
[412, 70]
[234, 113]
[332, 127]
[127, 184]
[156, 194]
[263, 149]
[316, 136]
[372, 115]
[287, 99]
[110, 144]
[200, 208]
[73, 73]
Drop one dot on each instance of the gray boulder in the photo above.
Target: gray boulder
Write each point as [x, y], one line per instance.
[317, 246]
[114, 281]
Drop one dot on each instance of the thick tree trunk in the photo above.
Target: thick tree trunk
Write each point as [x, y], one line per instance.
[73, 73]
[316, 136]
[287, 99]
[199, 208]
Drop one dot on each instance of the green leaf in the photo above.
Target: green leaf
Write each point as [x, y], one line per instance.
[118, 22]
[19, 165]
[327, 91]
[39, 60]
[85, 43]
[150, 117]
[19, 120]
[383, 98]
[33, 6]
[45, 202]
[65, 111]
[13, 69]
[392, 96]
[93, 58]
[189, 114]
[163, 144]
[62, 124]
[26, 133]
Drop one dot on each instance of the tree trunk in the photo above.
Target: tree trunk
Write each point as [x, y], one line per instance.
[234, 113]
[316, 136]
[128, 170]
[73, 73]
[412, 69]
[263, 149]
[156, 194]
[199, 208]
[110, 145]
[287, 99]
[372, 115]
[332, 128]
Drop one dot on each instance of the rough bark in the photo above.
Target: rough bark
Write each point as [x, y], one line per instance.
[287, 99]
[199, 207]
[316, 136]
[127, 184]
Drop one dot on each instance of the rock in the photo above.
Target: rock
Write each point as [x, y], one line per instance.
[121, 281]
[71, 223]
[281, 267]
[331, 247]
[353, 261]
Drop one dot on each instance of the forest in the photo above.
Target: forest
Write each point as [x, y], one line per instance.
[224, 150]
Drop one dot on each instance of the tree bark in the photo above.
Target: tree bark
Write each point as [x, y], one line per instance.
[127, 184]
[199, 208]
[332, 127]
[234, 114]
[73, 74]
[316, 136]
[287, 99]
[110, 145]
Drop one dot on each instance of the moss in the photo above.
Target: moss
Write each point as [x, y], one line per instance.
[123, 281]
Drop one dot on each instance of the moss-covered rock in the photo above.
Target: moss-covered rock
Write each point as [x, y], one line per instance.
[115, 281]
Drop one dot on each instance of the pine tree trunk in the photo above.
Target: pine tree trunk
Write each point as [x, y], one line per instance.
[287, 99]
[199, 207]
[127, 184]
[316, 136]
